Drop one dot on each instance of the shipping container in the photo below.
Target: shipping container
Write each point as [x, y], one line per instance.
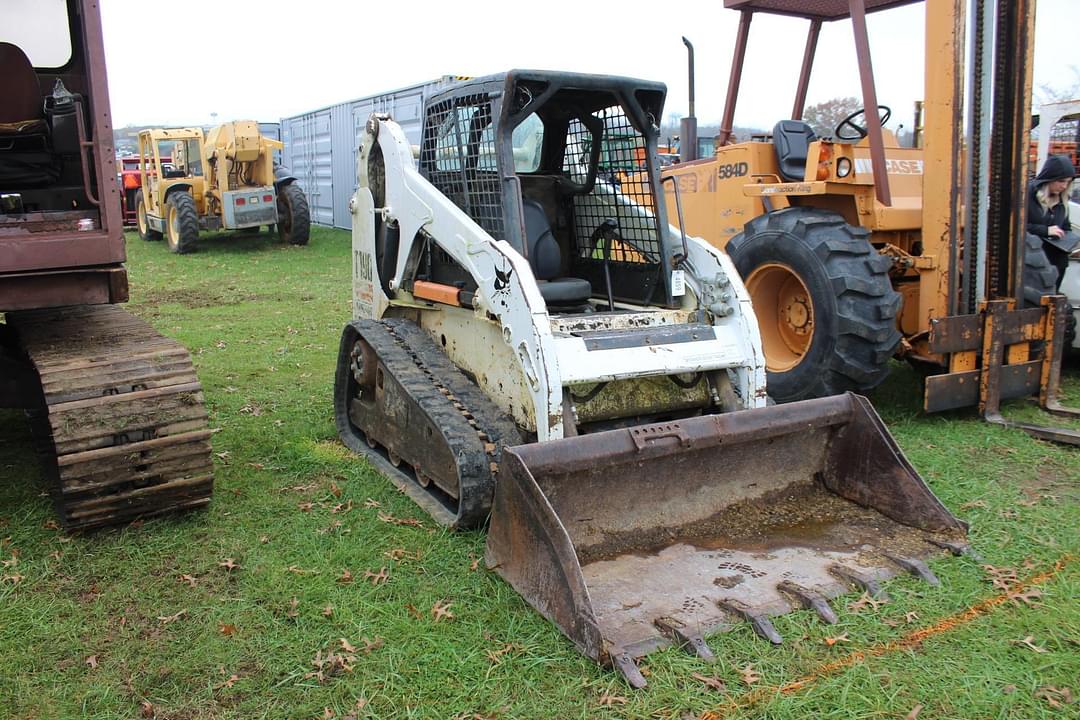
[321, 145]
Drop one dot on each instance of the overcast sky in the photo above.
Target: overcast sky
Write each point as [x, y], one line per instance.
[175, 64]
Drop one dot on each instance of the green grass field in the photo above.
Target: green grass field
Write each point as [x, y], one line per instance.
[327, 611]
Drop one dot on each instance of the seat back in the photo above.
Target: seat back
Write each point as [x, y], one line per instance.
[792, 140]
[20, 93]
[542, 249]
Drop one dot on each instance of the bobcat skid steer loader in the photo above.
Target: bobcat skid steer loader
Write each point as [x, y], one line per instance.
[535, 343]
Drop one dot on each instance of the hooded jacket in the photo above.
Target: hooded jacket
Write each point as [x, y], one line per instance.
[1039, 219]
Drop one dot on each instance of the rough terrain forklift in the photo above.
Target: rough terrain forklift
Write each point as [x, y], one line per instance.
[534, 342]
[225, 180]
[116, 408]
[854, 248]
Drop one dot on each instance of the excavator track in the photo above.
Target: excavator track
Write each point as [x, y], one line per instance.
[402, 403]
[121, 423]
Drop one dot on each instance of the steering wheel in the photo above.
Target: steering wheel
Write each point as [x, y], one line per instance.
[860, 130]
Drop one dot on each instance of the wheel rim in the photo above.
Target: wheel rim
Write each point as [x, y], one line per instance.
[785, 313]
[174, 227]
[140, 214]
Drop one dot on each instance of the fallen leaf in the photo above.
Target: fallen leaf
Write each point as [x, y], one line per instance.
[264, 539]
[441, 610]
[92, 662]
[369, 503]
[1002, 578]
[973, 504]
[865, 601]
[227, 629]
[1008, 690]
[496, 656]
[228, 683]
[914, 712]
[229, 564]
[50, 525]
[335, 490]
[609, 700]
[377, 578]
[13, 579]
[13, 561]
[475, 564]
[346, 577]
[306, 506]
[328, 611]
[166, 619]
[346, 645]
[342, 507]
[413, 611]
[910, 617]
[146, 710]
[749, 675]
[296, 570]
[1029, 642]
[1026, 597]
[56, 555]
[328, 714]
[292, 611]
[370, 645]
[842, 638]
[188, 579]
[1054, 697]
[713, 682]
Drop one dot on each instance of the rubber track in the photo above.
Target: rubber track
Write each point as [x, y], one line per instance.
[474, 429]
[122, 427]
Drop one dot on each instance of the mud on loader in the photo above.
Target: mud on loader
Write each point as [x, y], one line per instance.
[534, 344]
[225, 180]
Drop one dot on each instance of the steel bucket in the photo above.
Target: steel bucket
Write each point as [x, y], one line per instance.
[631, 540]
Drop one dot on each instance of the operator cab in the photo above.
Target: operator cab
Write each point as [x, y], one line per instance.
[556, 165]
[44, 121]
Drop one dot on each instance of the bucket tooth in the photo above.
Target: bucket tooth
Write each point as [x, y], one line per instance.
[860, 579]
[758, 620]
[956, 548]
[810, 600]
[916, 567]
[687, 639]
[627, 667]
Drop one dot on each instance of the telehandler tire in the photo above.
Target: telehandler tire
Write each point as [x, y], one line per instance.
[145, 231]
[825, 305]
[294, 218]
[181, 223]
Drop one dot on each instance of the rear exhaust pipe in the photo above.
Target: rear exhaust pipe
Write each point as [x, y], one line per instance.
[688, 125]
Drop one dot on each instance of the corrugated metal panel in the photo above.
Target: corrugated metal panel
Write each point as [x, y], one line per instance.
[321, 146]
[308, 154]
[341, 135]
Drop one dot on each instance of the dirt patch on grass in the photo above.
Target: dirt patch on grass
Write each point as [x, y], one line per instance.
[202, 296]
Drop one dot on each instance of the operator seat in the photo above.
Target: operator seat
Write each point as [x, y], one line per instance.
[20, 94]
[546, 260]
[792, 140]
[26, 159]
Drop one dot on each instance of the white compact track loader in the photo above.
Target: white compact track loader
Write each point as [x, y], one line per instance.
[535, 343]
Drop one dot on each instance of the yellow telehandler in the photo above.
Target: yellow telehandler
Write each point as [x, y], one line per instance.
[225, 180]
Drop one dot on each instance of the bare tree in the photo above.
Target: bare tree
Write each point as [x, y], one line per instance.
[825, 116]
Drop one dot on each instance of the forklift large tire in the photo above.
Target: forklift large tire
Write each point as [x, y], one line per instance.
[825, 306]
[181, 222]
[294, 219]
[1040, 278]
[145, 231]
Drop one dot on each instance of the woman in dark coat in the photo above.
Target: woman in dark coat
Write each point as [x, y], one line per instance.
[1048, 210]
